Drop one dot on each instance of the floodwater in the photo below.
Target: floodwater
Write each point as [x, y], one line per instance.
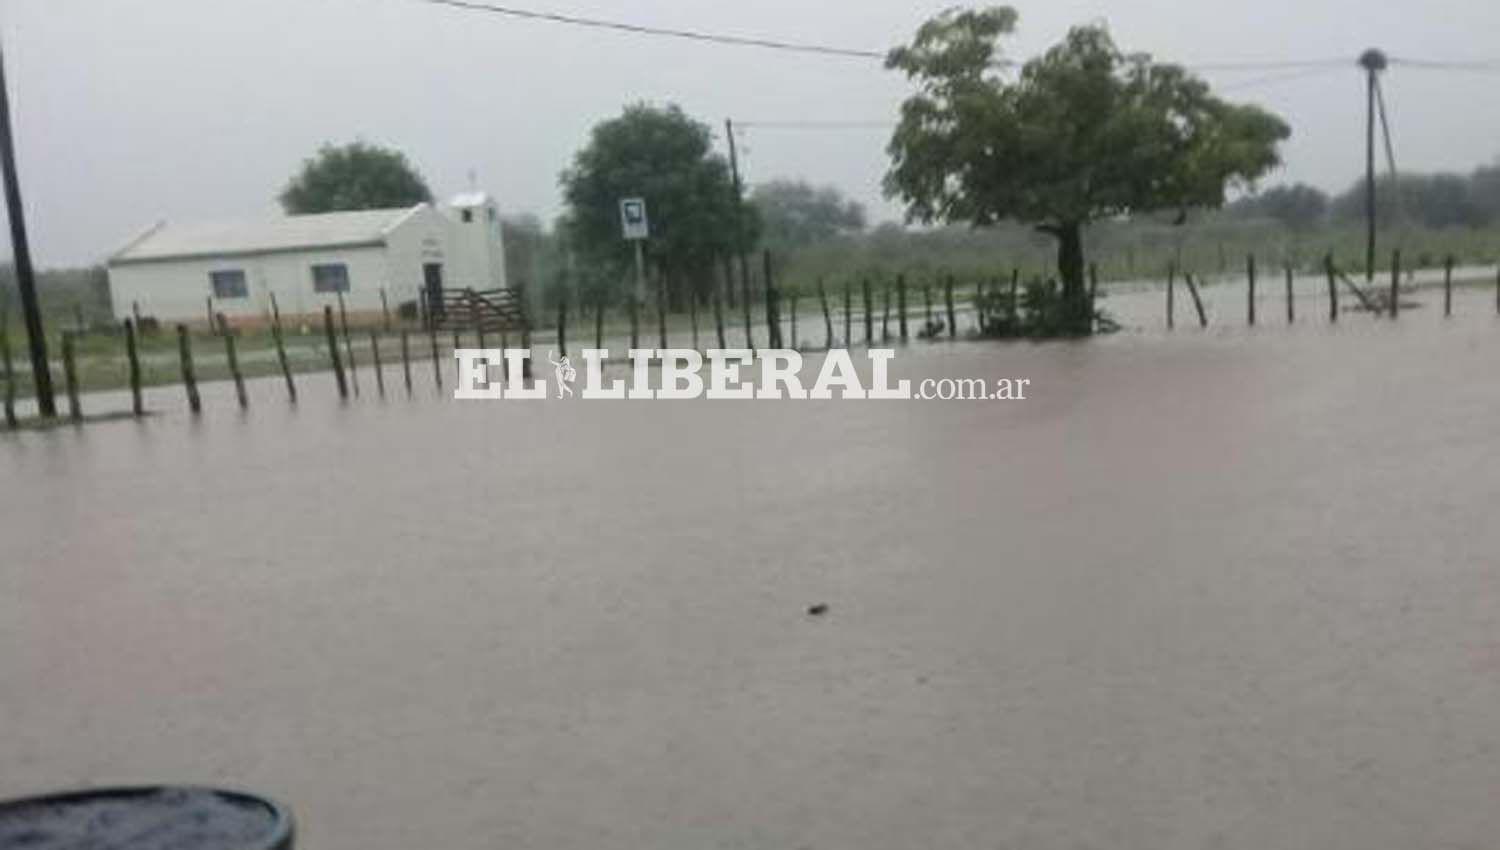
[1234, 588]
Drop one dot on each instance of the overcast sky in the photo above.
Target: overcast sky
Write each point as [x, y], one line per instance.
[130, 111]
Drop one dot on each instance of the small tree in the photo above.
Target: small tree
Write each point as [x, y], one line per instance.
[356, 176]
[665, 157]
[1082, 132]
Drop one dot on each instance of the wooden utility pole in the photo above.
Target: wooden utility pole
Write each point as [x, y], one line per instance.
[1373, 61]
[739, 215]
[41, 376]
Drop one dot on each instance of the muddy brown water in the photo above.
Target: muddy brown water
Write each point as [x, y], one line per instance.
[1223, 589]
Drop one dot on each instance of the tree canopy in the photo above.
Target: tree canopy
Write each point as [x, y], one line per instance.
[665, 157]
[795, 214]
[356, 176]
[1298, 206]
[1083, 132]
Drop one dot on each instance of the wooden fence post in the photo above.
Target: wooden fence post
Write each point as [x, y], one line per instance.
[9, 367]
[70, 376]
[437, 360]
[796, 297]
[745, 303]
[885, 313]
[189, 380]
[827, 316]
[661, 309]
[599, 321]
[231, 355]
[979, 306]
[773, 302]
[693, 314]
[286, 366]
[376, 364]
[526, 344]
[952, 313]
[333, 351]
[869, 305]
[927, 307]
[348, 348]
[1187, 278]
[848, 317]
[635, 321]
[901, 305]
[1333, 290]
[1250, 285]
[1448, 286]
[1396, 283]
[1291, 310]
[406, 359]
[1093, 292]
[562, 326]
[1171, 295]
[133, 363]
[1015, 300]
[719, 314]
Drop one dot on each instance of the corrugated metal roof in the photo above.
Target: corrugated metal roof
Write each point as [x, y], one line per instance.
[289, 233]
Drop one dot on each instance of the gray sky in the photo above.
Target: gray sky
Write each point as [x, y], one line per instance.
[129, 111]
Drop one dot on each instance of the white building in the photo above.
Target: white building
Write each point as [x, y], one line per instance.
[170, 271]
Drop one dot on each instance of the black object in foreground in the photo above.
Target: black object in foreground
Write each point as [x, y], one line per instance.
[817, 610]
[150, 818]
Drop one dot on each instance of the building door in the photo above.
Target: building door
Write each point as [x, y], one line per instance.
[432, 282]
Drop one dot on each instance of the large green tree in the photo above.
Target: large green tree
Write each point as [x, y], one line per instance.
[1083, 132]
[356, 176]
[665, 157]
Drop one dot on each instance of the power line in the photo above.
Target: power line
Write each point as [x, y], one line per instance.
[816, 125]
[1448, 65]
[1280, 78]
[805, 47]
[1273, 65]
[638, 29]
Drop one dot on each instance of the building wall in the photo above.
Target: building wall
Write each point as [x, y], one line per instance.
[423, 237]
[177, 290]
[478, 259]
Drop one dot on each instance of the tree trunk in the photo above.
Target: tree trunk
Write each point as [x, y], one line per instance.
[1070, 270]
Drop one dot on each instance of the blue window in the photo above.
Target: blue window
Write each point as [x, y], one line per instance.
[229, 283]
[330, 277]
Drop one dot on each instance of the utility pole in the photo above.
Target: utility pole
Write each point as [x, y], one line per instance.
[739, 218]
[46, 405]
[1373, 61]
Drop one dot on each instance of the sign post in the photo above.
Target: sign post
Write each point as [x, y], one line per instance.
[635, 228]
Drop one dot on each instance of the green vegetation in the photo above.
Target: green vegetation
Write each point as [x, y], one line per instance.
[665, 157]
[356, 176]
[1084, 132]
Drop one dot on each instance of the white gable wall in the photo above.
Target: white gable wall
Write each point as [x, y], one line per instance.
[423, 237]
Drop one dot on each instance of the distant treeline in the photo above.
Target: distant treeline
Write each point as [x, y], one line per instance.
[64, 294]
[1428, 200]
